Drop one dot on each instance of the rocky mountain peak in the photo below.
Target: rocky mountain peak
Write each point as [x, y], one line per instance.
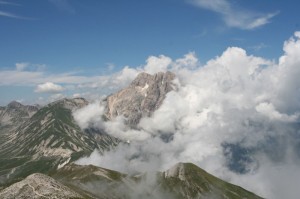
[141, 98]
[141, 79]
[14, 105]
[16, 113]
[144, 78]
[177, 171]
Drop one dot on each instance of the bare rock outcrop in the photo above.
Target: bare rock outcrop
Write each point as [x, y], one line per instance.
[141, 98]
[38, 186]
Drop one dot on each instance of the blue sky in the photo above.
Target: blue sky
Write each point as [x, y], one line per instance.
[44, 39]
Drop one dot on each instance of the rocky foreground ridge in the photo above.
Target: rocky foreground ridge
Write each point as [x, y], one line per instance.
[38, 186]
[182, 181]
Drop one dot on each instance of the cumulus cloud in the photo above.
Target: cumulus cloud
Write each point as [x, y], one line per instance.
[189, 61]
[21, 66]
[89, 115]
[56, 97]
[92, 116]
[157, 64]
[269, 110]
[49, 87]
[235, 16]
[236, 116]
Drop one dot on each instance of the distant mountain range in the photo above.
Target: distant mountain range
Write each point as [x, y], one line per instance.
[39, 145]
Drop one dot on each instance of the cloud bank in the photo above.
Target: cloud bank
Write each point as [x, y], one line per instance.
[237, 117]
[49, 87]
[235, 16]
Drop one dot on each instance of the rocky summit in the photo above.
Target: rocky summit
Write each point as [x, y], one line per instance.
[143, 96]
[186, 180]
[38, 186]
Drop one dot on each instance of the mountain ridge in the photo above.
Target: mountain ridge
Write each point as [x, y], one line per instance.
[96, 182]
[48, 140]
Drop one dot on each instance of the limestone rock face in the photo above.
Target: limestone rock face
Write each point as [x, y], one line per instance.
[143, 96]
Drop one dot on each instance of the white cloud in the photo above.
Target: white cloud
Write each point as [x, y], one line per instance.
[49, 87]
[110, 66]
[9, 3]
[269, 110]
[157, 64]
[189, 61]
[122, 78]
[56, 97]
[89, 115]
[10, 15]
[234, 98]
[76, 95]
[21, 75]
[27, 74]
[21, 66]
[222, 6]
[235, 16]
[258, 47]
[259, 21]
[15, 77]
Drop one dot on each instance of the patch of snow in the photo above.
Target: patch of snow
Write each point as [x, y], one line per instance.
[64, 163]
[103, 173]
[46, 118]
[145, 87]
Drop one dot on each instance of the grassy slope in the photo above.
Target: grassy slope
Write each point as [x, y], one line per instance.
[35, 143]
[105, 183]
[200, 184]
